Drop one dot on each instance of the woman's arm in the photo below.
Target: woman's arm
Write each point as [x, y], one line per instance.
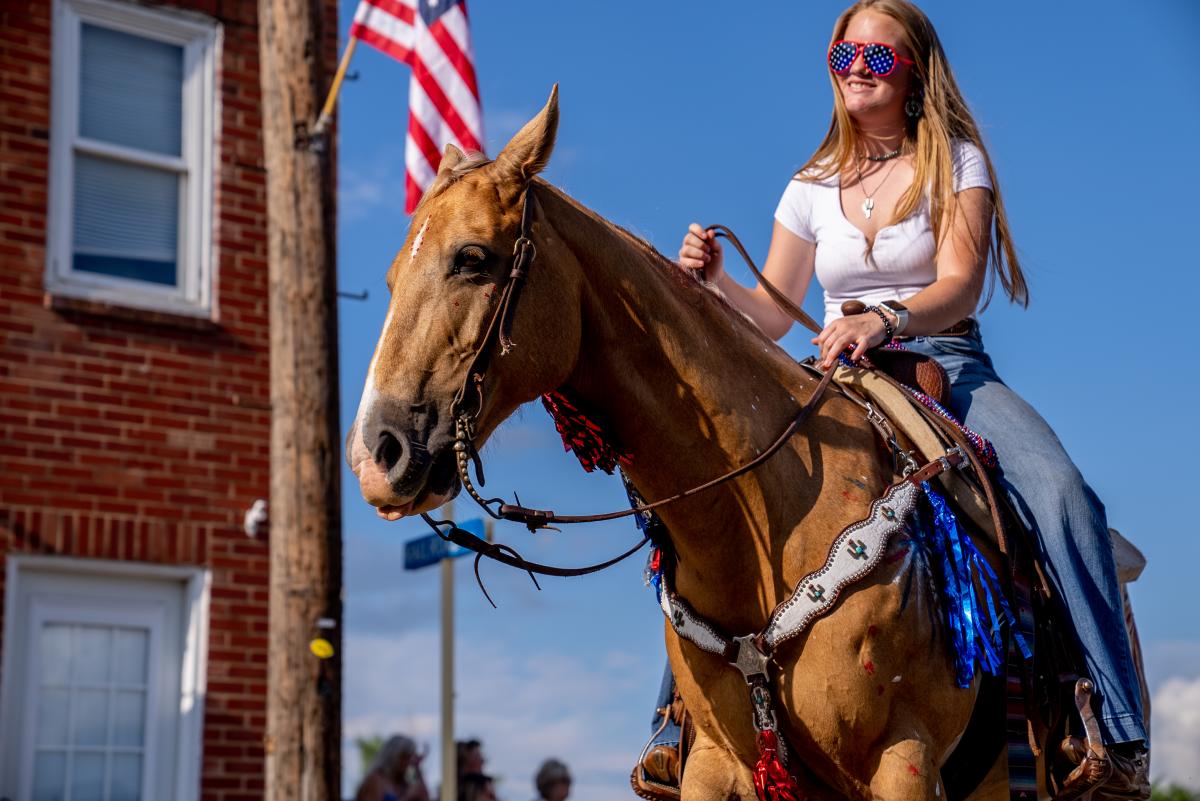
[789, 267]
[961, 262]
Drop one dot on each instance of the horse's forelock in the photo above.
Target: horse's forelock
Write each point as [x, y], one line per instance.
[445, 178]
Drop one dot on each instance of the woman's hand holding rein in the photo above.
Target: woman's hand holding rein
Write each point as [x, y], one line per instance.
[701, 251]
[859, 332]
[789, 267]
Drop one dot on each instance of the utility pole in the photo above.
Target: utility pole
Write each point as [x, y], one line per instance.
[303, 742]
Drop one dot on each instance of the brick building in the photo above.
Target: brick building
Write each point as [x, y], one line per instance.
[134, 401]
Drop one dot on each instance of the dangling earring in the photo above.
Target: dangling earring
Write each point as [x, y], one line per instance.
[914, 106]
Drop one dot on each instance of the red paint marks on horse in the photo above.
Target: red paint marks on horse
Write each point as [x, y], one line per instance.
[897, 556]
[846, 495]
[869, 666]
[913, 769]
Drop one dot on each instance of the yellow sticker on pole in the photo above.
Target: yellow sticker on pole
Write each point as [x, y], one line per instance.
[321, 648]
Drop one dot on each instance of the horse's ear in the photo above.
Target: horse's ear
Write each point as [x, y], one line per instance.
[450, 158]
[527, 153]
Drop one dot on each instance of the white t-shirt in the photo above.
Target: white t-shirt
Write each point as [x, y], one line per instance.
[903, 253]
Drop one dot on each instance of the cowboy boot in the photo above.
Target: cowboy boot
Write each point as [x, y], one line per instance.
[661, 764]
[1093, 770]
[1123, 774]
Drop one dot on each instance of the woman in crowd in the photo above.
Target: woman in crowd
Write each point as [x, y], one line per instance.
[395, 773]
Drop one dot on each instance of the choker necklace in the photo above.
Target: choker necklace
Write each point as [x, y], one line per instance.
[886, 156]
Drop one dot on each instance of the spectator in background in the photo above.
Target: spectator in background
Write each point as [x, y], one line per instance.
[476, 787]
[470, 757]
[553, 781]
[395, 774]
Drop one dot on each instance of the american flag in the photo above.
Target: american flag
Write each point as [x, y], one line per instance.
[432, 37]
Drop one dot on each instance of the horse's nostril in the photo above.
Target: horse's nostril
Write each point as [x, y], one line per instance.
[389, 450]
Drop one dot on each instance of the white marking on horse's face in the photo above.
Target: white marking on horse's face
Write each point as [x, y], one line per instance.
[417, 240]
[370, 393]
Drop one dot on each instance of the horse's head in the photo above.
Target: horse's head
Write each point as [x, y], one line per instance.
[446, 284]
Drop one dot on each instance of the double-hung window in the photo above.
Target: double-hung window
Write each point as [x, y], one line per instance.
[132, 139]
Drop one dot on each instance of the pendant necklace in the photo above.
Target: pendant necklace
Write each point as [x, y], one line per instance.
[868, 204]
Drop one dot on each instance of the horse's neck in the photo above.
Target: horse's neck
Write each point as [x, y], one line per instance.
[691, 390]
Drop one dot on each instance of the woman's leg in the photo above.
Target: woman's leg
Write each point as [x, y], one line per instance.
[1062, 510]
[665, 729]
[660, 762]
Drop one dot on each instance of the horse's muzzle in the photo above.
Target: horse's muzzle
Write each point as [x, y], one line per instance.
[404, 456]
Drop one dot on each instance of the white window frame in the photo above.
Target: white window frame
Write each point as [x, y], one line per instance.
[200, 39]
[14, 704]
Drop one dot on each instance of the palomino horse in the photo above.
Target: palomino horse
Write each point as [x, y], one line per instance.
[866, 698]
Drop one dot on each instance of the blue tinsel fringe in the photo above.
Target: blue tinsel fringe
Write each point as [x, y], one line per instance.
[975, 626]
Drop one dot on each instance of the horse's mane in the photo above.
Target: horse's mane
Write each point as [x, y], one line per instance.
[686, 279]
[679, 275]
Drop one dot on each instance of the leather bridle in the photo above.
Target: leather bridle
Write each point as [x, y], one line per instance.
[469, 401]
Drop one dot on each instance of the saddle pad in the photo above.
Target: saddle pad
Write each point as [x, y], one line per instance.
[909, 424]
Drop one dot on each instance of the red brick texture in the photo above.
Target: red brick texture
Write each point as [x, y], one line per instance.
[139, 436]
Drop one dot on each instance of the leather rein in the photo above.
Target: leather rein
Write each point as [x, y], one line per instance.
[469, 401]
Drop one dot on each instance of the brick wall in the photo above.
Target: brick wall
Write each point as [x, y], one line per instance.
[141, 436]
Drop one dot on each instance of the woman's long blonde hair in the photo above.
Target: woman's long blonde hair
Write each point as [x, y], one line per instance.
[944, 118]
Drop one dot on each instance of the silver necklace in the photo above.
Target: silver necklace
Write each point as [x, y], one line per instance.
[868, 204]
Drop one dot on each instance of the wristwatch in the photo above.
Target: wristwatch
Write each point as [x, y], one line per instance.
[901, 311]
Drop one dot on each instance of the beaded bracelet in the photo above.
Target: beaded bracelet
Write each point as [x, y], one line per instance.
[888, 330]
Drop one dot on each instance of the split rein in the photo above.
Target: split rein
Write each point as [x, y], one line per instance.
[469, 401]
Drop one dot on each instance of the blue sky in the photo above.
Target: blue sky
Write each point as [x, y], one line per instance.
[674, 112]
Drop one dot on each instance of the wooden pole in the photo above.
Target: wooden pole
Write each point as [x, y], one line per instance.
[303, 742]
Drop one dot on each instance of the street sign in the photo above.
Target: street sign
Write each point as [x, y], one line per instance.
[431, 549]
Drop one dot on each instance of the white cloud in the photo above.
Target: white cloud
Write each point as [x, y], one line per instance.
[1175, 724]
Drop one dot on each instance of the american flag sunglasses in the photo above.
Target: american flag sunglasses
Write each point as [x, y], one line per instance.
[880, 59]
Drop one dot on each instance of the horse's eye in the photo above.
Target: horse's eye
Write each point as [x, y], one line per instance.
[470, 260]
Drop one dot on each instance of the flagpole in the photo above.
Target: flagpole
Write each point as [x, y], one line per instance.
[335, 87]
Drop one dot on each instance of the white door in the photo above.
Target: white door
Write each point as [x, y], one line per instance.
[92, 688]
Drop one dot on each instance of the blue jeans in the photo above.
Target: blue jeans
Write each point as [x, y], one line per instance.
[668, 731]
[1054, 502]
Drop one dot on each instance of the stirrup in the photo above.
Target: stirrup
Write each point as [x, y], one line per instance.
[658, 774]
